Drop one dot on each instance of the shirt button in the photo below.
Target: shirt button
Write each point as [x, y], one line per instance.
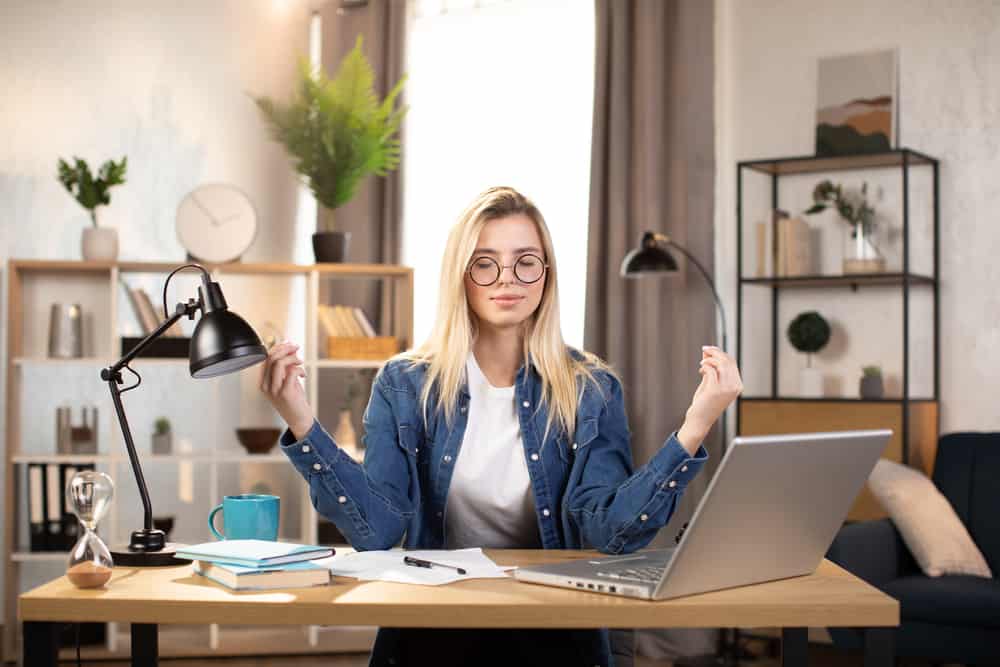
[342, 499]
[545, 512]
[574, 445]
[643, 517]
[534, 457]
[305, 449]
[672, 484]
[317, 466]
[526, 404]
[684, 468]
[447, 459]
[439, 514]
[464, 408]
[416, 449]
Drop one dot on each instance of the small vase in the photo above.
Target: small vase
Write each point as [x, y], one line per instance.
[344, 435]
[99, 244]
[162, 443]
[861, 255]
[329, 246]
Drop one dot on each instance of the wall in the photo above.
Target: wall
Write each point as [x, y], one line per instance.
[949, 106]
[167, 85]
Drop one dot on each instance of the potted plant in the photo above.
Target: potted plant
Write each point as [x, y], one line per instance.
[99, 244]
[871, 386]
[809, 333]
[161, 436]
[337, 132]
[861, 255]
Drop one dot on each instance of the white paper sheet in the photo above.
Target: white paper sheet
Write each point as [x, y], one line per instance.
[388, 566]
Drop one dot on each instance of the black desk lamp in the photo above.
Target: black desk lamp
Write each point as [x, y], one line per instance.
[222, 343]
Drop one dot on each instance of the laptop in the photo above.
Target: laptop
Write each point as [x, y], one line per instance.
[770, 512]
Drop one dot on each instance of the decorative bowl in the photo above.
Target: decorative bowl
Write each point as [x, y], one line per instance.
[258, 440]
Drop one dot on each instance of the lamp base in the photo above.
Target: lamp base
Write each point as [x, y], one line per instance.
[167, 556]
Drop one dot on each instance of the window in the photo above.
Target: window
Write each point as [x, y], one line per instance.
[500, 93]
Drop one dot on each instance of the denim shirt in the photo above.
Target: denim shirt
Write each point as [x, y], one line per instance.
[586, 492]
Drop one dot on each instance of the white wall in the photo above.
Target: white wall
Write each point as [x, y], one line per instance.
[165, 84]
[949, 106]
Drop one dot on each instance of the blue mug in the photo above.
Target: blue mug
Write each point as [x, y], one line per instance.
[249, 516]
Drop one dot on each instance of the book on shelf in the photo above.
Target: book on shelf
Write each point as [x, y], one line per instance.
[366, 325]
[784, 247]
[345, 321]
[291, 575]
[146, 314]
[253, 553]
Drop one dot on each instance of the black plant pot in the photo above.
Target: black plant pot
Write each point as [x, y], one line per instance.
[871, 387]
[331, 246]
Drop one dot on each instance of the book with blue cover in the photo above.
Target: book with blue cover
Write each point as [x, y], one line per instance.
[290, 575]
[253, 553]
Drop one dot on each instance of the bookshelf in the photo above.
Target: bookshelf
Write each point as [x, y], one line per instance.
[205, 413]
[905, 298]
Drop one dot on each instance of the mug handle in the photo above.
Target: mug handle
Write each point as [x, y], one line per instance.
[211, 523]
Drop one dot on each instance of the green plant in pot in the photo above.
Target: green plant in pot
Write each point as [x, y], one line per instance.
[871, 386]
[861, 254]
[337, 132]
[99, 243]
[809, 332]
[162, 436]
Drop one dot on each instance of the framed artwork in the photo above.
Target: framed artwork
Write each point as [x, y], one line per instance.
[856, 103]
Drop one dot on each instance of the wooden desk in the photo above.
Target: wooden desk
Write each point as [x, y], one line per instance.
[147, 597]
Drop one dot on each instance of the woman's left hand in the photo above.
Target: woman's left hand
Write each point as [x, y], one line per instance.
[720, 385]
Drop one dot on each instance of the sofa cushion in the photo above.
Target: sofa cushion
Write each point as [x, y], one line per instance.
[931, 529]
[951, 600]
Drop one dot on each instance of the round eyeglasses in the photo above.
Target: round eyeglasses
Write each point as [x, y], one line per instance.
[528, 269]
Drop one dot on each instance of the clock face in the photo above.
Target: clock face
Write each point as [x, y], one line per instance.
[216, 223]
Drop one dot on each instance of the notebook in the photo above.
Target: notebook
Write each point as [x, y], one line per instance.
[239, 578]
[253, 553]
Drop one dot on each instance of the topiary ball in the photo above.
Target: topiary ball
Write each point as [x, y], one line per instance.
[809, 332]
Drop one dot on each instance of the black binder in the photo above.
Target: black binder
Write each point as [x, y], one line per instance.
[53, 508]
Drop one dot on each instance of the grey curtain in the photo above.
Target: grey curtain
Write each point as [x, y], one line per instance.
[652, 168]
[374, 215]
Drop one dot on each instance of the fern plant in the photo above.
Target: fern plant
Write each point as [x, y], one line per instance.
[91, 192]
[336, 130]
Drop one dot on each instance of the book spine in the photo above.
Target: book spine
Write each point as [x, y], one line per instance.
[362, 320]
[347, 322]
[36, 506]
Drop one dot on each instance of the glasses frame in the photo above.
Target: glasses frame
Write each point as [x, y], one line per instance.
[501, 267]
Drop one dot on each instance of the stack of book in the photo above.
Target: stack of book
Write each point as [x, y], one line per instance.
[784, 247]
[350, 335]
[257, 565]
[173, 343]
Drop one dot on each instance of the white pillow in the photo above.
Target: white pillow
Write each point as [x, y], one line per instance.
[927, 522]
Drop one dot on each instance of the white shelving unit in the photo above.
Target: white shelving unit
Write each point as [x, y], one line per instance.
[256, 292]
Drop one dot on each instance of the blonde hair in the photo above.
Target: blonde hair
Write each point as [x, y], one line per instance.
[447, 349]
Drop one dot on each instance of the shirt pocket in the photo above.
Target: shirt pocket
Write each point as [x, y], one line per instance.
[408, 440]
[586, 431]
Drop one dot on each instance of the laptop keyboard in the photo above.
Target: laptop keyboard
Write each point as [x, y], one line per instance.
[647, 571]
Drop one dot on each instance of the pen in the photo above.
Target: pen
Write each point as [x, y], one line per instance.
[419, 562]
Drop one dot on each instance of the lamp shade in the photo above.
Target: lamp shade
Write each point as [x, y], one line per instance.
[223, 343]
[649, 257]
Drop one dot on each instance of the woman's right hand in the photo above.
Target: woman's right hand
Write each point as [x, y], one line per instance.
[279, 380]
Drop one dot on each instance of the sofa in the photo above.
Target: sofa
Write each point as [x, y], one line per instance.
[948, 618]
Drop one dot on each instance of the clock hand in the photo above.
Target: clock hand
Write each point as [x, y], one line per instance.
[228, 218]
[204, 210]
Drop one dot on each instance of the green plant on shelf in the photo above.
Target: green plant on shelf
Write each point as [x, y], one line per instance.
[871, 371]
[91, 192]
[852, 205]
[161, 426]
[809, 332]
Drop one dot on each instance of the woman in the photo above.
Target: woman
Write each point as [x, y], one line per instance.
[541, 427]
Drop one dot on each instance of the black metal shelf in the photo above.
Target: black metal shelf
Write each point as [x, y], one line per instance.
[852, 280]
[905, 279]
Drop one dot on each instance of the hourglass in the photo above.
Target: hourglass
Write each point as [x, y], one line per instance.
[89, 494]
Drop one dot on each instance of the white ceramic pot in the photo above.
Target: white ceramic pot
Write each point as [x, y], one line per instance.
[810, 383]
[99, 244]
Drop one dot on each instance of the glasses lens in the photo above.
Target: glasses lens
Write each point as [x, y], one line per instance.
[484, 271]
[529, 268]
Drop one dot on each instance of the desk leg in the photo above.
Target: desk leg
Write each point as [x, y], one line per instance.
[795, 647]
[145, 651]
[880, 649]
[40, 644]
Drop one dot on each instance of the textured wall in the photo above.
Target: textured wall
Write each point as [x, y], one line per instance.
[949, 106]
[165, 84]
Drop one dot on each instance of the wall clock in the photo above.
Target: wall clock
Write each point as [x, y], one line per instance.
[216, 223]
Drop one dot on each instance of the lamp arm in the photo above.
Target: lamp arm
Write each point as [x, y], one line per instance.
[711, 285]
[113, 376]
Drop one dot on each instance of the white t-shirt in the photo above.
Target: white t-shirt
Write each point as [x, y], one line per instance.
[490, 503]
